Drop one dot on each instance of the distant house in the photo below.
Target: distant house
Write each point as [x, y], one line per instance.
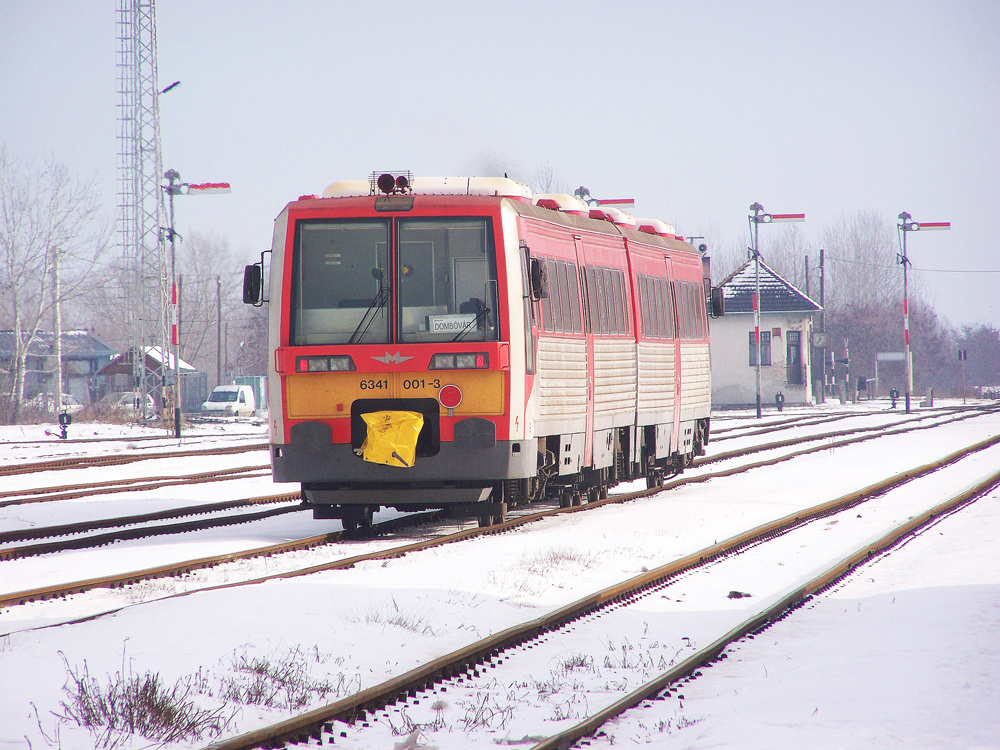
[83, 356]
[785, 332]
[118, 375]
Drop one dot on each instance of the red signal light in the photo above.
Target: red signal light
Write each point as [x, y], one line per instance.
[386, 183]
[450, 396]
[402, 183]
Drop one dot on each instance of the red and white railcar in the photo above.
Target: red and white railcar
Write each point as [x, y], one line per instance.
[550, 348]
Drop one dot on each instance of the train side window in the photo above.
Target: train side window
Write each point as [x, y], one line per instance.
[616, 285]
[648, 318]
[668, 298]
[703, 313]
[654, 317]
[609, 301]
[592, 298]
[567, 301]
[626, 307]
[573, 282]
[681, 310]
[640, 310]
[661, 308]
[696, 311]
[556, 292]
[603, 299]
[547, 302]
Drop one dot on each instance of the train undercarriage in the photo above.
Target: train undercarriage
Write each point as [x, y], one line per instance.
[633, 456]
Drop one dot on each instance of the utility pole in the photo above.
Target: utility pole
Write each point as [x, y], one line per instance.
[822, 313]
[57, 405]
[218, 330]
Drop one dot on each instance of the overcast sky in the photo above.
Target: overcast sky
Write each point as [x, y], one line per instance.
[695, 110]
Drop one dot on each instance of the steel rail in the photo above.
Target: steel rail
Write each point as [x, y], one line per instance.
[73, 492]
[896, 429]
[87, 462]
[123, 535]
[174, 569]
[755, 430]
[313, 724]
[768, 616]
[62, 590]
[44, 532]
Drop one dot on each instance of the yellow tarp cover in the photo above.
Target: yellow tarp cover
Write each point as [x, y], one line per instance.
[392, 437]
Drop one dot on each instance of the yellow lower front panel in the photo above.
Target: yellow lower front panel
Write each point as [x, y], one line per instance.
[330, 394]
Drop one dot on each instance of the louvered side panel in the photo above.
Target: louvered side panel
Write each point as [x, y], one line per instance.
[614, 382]
[561, 380]
[656, 382]
[696, 381]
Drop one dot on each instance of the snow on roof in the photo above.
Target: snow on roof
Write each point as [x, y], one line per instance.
[156, 354]
[776, 294]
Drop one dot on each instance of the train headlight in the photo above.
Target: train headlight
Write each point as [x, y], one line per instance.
[340, 363]
[461, 361]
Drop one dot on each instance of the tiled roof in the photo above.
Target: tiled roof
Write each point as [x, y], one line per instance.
[776, 294]
[75, 345]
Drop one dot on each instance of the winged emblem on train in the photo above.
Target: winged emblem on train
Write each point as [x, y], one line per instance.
[392, 359]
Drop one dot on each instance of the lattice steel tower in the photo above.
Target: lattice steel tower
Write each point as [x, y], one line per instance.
[140, 200]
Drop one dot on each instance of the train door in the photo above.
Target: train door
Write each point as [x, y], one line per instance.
[581, 281]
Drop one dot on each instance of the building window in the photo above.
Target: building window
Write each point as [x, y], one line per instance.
[765, 349]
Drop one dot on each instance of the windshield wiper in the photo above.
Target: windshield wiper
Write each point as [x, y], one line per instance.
[472, 323]
[377, 302]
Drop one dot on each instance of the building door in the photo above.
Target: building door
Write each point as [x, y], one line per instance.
[793, 357]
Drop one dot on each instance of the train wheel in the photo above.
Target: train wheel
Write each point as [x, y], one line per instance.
[357, 519]
[517, 492]
[654, 479]
[496, 518]
[594, 494]
[566, 499]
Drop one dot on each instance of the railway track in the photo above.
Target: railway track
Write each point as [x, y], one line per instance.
[112, 486]
[98, 488]
[89, 462]
[413, 700]
[745, 431]
[187, 566]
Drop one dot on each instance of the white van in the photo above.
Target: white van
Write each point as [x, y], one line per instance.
[230, 401]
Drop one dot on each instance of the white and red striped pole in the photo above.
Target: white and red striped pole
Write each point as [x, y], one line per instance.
[174, 187]
[907, 224]
[758, 217]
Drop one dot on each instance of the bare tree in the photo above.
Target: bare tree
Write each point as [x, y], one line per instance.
[43, 211]
[785, 252]
[547, 181]
[861, 256]
[210, 285]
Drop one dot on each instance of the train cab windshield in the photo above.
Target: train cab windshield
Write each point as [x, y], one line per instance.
[441, 279]
[447, 280]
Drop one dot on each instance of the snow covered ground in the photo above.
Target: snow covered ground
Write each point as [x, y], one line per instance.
[915, 661]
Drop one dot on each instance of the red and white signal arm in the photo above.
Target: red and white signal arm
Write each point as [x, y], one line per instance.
[210, 187]
[925, 225]
[787, 217]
